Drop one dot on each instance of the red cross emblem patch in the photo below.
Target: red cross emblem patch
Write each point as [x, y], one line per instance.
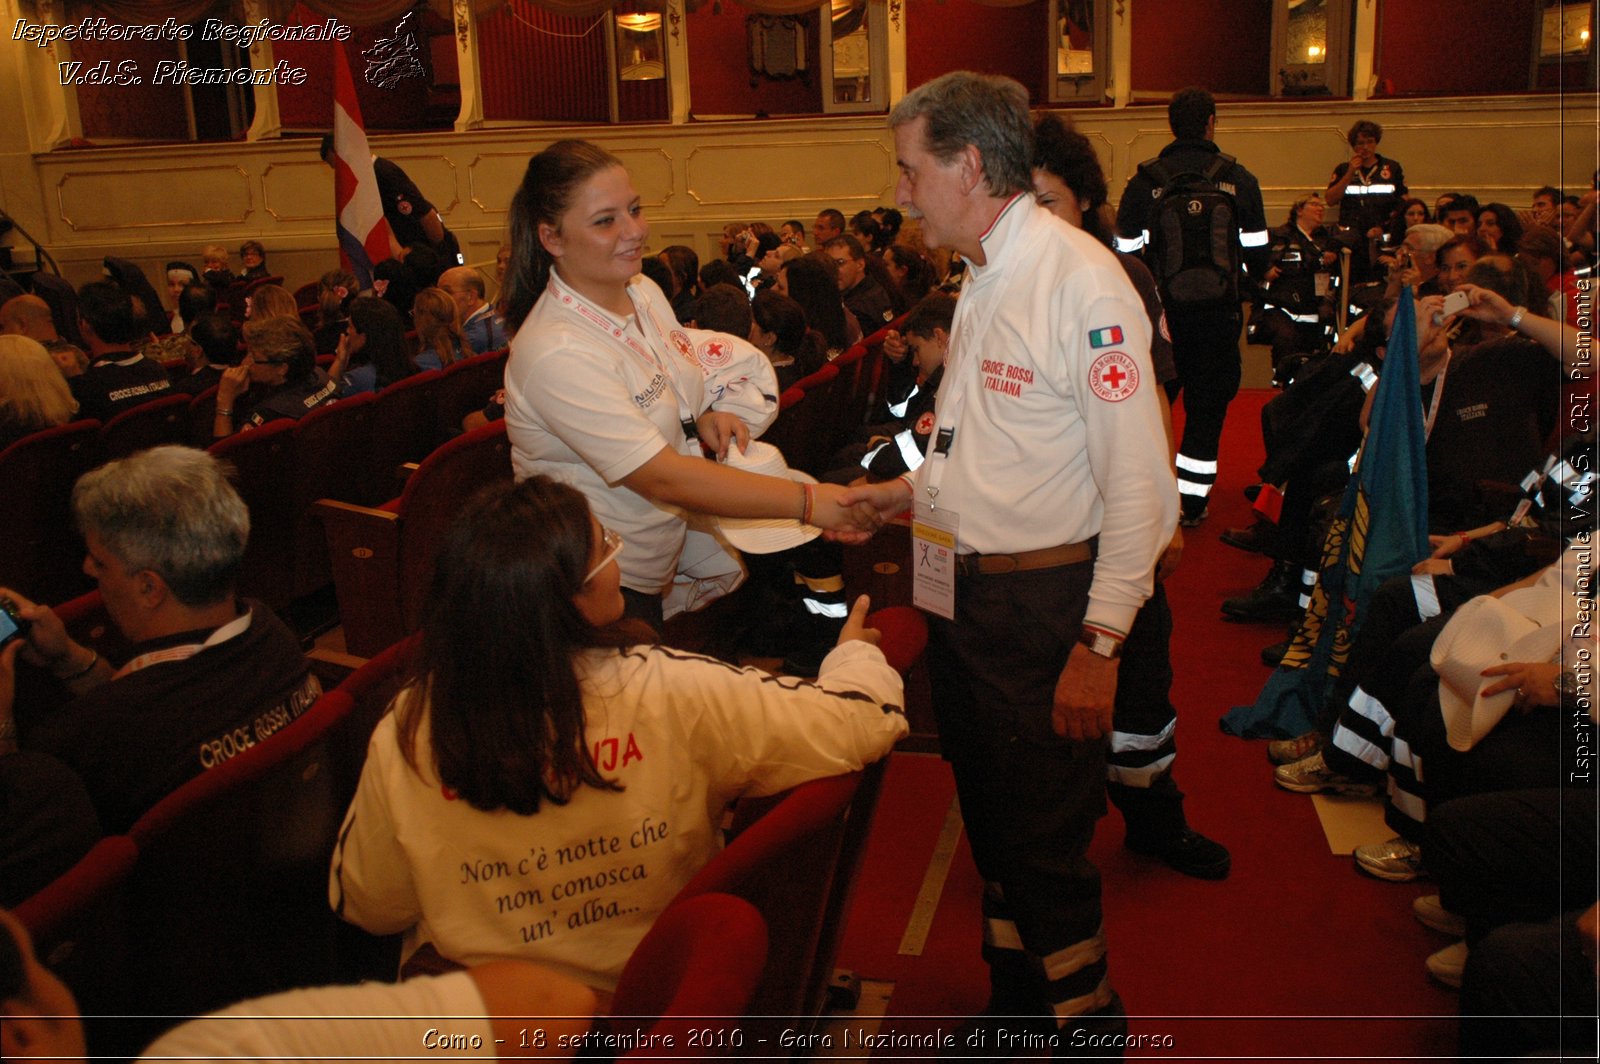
[1114, 376]
[715, 353]
[925, 423]
[681, 343]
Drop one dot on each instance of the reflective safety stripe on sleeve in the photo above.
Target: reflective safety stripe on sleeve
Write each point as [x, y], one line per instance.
[906, 440]
[1130, 244]
[899, 409]
[1255, 239]
[1426, 594]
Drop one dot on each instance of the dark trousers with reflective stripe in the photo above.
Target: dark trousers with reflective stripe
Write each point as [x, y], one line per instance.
[1144, 726]
[1030, 799]
[1205, 349]
[1518, 866]
[1523, 752]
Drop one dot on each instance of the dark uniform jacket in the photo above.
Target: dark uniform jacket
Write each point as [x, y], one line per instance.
[1139, 200]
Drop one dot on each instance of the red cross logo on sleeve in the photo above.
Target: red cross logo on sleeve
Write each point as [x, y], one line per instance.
[1114, 376]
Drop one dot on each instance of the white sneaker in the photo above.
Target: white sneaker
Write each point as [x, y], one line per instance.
[1448, 964]
[1430, 913]
[1399, 860]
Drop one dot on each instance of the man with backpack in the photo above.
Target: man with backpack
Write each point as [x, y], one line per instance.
[1196, 216]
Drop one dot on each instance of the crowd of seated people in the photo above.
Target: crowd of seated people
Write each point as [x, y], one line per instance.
[1452, 702]
[1493, 366]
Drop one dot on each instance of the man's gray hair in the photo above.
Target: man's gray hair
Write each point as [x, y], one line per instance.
[1430, 237]
[985, 111]
[170, 510]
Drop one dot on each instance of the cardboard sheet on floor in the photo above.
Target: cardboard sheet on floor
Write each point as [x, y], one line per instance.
[1350, 822]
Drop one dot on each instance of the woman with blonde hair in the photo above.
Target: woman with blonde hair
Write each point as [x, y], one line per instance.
[33, 393]
[271, 301]
[437, 319]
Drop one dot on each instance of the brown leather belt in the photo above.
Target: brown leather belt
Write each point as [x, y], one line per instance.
[1045, 558]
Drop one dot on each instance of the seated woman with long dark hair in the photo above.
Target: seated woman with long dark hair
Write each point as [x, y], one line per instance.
[373, 352]
[548, 782]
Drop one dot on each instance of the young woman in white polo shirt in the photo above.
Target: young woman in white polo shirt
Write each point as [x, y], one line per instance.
[606, 391]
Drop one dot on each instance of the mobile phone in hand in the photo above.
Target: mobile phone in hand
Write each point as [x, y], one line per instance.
[12, 624]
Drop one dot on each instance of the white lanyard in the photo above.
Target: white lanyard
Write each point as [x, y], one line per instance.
[184, 651]
[974, 314]
[602, 322]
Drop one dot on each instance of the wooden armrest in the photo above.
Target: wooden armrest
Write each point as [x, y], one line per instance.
[364, 549]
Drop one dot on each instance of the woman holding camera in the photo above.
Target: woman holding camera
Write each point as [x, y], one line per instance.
[604, 391]
[549, 782]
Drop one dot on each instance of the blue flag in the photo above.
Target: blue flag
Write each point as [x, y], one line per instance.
[1380, 531]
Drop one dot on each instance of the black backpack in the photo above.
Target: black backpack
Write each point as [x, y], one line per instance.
[1194, 235]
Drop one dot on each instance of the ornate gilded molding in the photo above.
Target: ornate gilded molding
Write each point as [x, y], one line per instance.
[266, 199]
[475, 197]
[164, 176]
[879, 196]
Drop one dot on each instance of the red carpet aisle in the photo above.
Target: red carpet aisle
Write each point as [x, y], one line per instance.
[1295, 955]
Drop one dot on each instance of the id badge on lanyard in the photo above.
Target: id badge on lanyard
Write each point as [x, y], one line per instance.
[934, 536]
[935, 529]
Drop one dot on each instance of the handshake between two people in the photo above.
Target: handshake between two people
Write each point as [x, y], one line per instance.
[851, 515]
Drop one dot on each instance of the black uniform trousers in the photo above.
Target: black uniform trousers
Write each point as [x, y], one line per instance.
[1205, 349]
[1030, 799]
[1518, 866]
[1144, 727]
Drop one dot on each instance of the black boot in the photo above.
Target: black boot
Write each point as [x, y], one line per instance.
[1156, 827]
[1277, 598]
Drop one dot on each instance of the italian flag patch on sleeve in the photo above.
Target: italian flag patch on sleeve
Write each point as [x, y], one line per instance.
[1105, 337]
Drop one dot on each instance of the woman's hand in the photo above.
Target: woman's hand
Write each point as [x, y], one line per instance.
[718, 428]
[234, 383]
[1485, 305]
[855, 625]
[1534, 681]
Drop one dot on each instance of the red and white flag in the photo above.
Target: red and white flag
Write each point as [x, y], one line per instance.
[357, 206]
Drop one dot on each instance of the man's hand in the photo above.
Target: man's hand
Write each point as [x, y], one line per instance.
[1084, 695]
[835, 509]
[895, 346]
[8, 688]
[1168, 562]
[47, 642]
[718, 429]
[884, 501]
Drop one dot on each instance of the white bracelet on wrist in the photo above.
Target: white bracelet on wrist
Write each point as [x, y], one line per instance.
[1516, 318]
